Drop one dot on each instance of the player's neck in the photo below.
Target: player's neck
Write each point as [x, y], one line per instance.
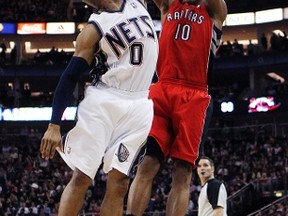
[205, 180]
[114, 5]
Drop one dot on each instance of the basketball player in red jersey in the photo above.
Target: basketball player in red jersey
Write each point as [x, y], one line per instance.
[191, 33]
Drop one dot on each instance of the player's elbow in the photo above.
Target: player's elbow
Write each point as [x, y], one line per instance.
[218, 211]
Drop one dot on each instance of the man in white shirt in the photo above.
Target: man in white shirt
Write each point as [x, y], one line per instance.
[213, 196]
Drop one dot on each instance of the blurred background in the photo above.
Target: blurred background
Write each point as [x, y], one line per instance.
[247, 138]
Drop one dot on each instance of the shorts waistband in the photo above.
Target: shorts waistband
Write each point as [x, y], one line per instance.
[120, 92]
[190, 84]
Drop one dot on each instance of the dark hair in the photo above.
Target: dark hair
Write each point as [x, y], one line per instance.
[207, 158]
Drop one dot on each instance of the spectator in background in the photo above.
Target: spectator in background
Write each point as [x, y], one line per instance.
[264, 42]
[10, 96]
[213, 195]
[26, 95]
[3, 52]
[225, 49]
[13, 54]
[229, 48]
[250, 48]
[237, 48]
[37, 57]
[274, 42]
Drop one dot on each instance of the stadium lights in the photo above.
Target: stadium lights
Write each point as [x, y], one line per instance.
[29, 49]
[278, 193]
[34, 114]
[271, 15]
[227, 107]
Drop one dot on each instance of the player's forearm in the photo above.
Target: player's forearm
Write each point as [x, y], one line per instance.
[66, 86]
[219, 211]
[217, 9]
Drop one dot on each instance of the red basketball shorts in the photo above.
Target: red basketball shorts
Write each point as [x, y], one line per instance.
[179, 117]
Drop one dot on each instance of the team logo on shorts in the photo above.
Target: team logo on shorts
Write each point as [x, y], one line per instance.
[68, 149]
[133, 5]
[123, 153]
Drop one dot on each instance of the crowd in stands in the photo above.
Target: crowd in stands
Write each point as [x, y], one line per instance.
[231, 90]
[227, 49]
[33, 10]
[276, 43]
[56, 56]
[277, 209]
[31, 186]
[26, 96]
[69, 10]
[43, 11]
[53, 57]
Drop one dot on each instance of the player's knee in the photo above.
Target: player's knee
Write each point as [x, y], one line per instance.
[117, 184]
[182, 166]
[121, 186]
[148, 168]
[182, 173]
[79, 179]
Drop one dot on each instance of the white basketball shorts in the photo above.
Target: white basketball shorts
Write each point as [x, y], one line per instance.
[112, 127]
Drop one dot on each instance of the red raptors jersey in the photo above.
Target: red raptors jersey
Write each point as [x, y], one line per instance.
[185, 43]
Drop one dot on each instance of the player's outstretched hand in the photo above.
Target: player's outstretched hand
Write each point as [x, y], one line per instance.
[50, 141]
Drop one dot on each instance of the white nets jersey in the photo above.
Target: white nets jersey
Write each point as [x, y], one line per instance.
[130, 45]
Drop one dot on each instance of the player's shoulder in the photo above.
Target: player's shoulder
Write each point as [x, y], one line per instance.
[214, 181]
[214, 184]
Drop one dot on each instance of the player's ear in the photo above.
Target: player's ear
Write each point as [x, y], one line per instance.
[213, 169]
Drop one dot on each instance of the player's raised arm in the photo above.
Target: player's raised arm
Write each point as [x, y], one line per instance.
[217, 10]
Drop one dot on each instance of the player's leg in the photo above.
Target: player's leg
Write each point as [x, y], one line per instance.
[189, 122]
[179, 194]
[74, 193]
[141, 187]
[208, 118]
[116, 189]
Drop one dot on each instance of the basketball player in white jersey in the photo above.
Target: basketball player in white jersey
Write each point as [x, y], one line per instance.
[115, 116]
